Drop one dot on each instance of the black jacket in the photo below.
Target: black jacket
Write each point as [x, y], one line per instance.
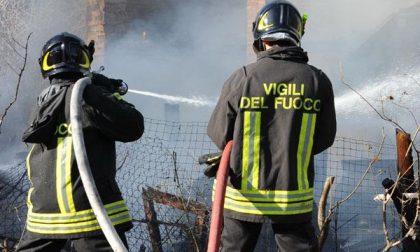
[279, 111]
[57, 202]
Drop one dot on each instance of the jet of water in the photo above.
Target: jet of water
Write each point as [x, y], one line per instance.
[195, 101]
[400, 89]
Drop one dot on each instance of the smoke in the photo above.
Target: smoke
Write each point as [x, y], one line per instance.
[380, 52]
[191, 50]
[18, 18]
[346, 31]
[186, 50]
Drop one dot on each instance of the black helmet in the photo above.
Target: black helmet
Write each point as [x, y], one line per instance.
[278, 20]
[66, 53]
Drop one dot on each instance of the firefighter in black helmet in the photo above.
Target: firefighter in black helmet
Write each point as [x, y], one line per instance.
[66, 53]
[58, 208]
[279, 112]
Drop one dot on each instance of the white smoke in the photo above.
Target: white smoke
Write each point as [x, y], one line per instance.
[18, 18]
[193, 48]
[186, 52]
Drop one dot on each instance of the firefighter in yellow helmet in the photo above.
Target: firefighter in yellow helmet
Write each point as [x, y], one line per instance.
[58, 208]
[279, 112]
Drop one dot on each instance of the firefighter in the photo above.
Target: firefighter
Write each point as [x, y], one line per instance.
[58, 208]
[279, 112]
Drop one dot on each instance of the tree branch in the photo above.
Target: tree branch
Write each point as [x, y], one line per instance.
[381, 115]
[18, 82]
[334, 209]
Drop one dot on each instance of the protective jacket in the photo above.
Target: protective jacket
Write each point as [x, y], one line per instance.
[57, 203]
[279, 111]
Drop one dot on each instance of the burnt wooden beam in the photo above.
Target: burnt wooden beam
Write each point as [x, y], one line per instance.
[404, 158]
[152, 224]
[152, 195]
[406, 184]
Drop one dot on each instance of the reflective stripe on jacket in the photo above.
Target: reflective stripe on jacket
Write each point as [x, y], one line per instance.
[280, 112]
[57, 203]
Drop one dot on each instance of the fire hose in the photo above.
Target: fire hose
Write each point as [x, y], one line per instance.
[84, 169]
[219, 200]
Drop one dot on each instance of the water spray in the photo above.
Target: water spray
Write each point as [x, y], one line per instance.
[402, 89]
[195, 101]
[122, 89]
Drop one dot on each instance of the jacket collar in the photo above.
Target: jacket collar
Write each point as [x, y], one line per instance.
[290, 53]
[57, 81]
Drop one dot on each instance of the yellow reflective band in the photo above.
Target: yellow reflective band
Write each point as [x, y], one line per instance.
[305, 149]
[263, 208]
[77, 218]
[251, 151]
[309, 149]
[300, 151]
[28, 200]
[80, 227]
[256, 158]
[269, 196]
[68, 184]
[45, 65]
[58, 176]
[245, 149]
[262, 24]
[63, 175]
[86, 60]
[113, 205]
[118, 96]
[64, 220]
[278, 196]
[28, 164]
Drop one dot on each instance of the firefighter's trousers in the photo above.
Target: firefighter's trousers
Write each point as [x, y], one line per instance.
[242, 236]
[87, 244]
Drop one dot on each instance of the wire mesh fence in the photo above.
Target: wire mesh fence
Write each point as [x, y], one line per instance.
[170, 198]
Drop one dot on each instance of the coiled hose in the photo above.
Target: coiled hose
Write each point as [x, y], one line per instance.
[84, 169]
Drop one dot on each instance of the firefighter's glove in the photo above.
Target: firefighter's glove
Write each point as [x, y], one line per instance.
[120, 86]
[113, 85]
[212, 161]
